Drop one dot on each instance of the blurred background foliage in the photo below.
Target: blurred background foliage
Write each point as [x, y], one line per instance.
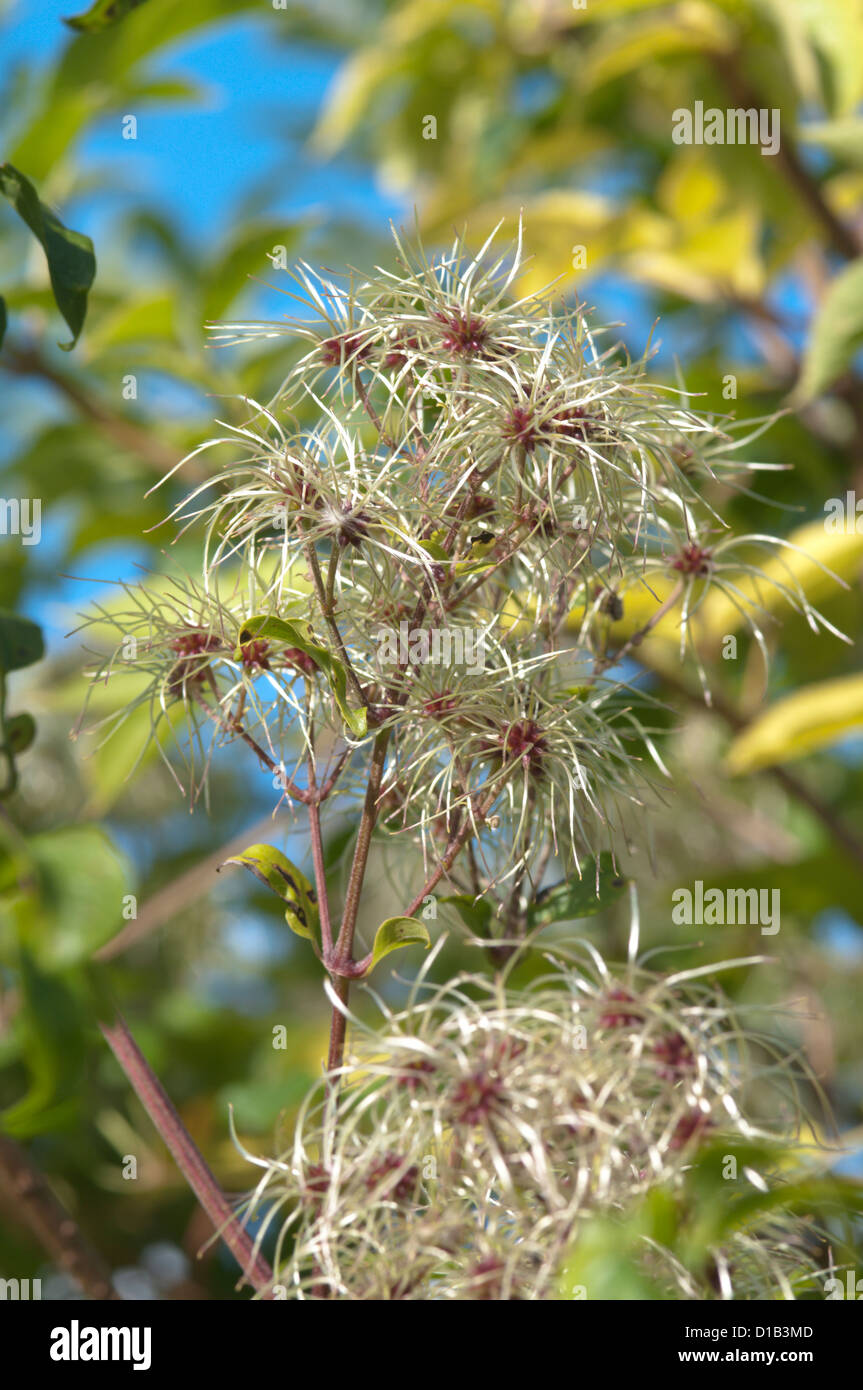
[264, 132]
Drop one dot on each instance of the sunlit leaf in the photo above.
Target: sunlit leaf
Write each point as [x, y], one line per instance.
[297, 634]
[102, 14]
[288, 882]
[809, 719]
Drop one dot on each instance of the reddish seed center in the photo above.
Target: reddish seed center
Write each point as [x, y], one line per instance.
[195, 643]
[524, 740]
[439, 705]
[405, 1185]
[254, 653]
[617, 1016]
[521, 428]
[487, 1276]
[692, 560]
[463, 334]
[300, 660]
[413, 1073]
[475, 1097]
[691, 1126]
[674, 1055]
[335, 351]
[573, 422]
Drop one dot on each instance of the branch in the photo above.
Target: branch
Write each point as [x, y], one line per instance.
[187, 1155]
[28, 361]
[33, 1202]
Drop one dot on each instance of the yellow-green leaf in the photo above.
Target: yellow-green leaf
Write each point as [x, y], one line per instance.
[298, 633]
[810, 719]
[101, 15]
[394, 933]
[287, 881]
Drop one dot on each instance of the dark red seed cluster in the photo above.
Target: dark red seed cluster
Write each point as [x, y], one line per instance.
[486, 1278]
[439, 705]
[521, 428]
[300, 660]
[254, 653]
[195, 643]
[405, 1185]
[413, 1072]
[618, 1015]
[693, 1125]
[524, 740]
[335, 351]
[353, 527]
[188, 670]
[463, 334]
[317, 1182]
[674, 1056]
[397, 355]
[692, 560]
[573, 422]
[476, 1097]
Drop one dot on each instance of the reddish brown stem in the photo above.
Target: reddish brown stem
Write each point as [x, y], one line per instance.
[187, 1155]
[34, 1204]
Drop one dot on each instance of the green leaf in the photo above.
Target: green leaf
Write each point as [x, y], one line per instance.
[837, 334]
[394, 933]
[563, 902]
[811, 718]
[474, 912]
[606, 1260]
[20, 732]
[298, 634]
[51, 1031]
[288, 883]
[101, 15]
[20, 642]
[71, 262]
[257, 1105]
[3, 319]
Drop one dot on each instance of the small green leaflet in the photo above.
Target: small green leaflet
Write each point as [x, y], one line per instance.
[102, 15]
[298, 634]
[394, 933]
[71, 262]
[288, 882]
[563, 902]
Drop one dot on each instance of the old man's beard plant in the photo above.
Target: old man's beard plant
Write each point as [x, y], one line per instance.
[414, 567]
